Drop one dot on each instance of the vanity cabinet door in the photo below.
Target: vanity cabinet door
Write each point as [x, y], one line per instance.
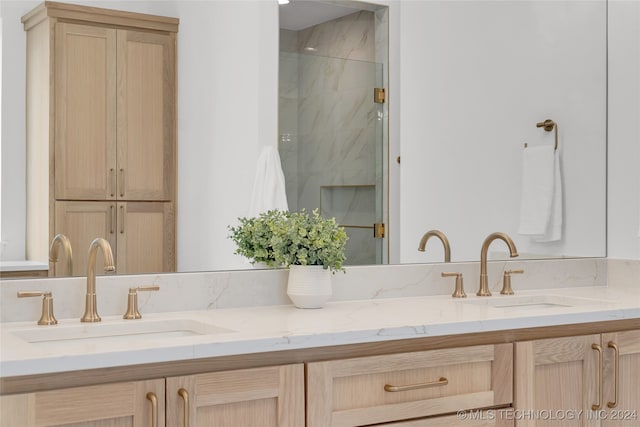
[146, 116]
[85, 112]
[82, 222]
[382, 389]
[145, 239]
[557, 377]
[272, 396]
[130, 404]
[621, 388]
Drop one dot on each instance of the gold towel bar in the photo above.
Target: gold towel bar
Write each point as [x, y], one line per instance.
[549, 125]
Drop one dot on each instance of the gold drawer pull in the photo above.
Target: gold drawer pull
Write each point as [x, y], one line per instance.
[616, 365]
[598, 405]
[394, 388]
[185, 396]
[154, 408]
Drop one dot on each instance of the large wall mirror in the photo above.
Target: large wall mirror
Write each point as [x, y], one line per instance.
[466, 84]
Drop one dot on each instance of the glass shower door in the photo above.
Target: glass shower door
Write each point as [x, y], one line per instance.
[331, 145]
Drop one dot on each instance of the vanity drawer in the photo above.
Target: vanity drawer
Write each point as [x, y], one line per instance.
[379, 389]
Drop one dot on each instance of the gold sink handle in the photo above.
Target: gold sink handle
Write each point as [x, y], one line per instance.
[47, 317]
[459, 291]
[506, 281]
[132, 301]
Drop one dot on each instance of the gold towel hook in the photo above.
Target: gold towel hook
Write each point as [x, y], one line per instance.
[549, 125]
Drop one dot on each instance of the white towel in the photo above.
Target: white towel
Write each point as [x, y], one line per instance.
[268, 187]
[541, 203]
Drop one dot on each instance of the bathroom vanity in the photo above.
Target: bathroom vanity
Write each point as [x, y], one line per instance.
[411, 361]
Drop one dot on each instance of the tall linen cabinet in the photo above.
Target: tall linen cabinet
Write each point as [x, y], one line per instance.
[101, 134]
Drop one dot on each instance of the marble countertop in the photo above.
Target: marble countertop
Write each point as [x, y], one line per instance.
[22, 266]
[236, 331]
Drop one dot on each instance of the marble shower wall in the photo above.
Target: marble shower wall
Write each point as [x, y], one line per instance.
[329, 130]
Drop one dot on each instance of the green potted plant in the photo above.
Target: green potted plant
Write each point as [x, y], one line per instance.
[312, 247]
[253, 237]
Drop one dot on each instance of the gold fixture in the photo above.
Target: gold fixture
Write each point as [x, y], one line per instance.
[549, 125]
[47, 317]
[112, 173]
[61, 240]
[185, 397]
[440, 235]
[379, 95]
[616, 367]
[132, 301]
[597, 406]
[483, 291]
[459, 291]
[378, 230]
[154, 408]
[395, 388]
[91, 309]
[506, 281]
[121, 182]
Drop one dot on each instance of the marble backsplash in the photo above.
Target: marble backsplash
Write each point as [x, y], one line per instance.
[251, 288]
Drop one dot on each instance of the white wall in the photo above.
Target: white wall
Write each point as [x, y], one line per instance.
[473, 86]
[624, 130]
[14, 215]
[227, 110]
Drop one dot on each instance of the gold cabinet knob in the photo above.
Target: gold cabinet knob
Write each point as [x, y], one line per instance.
[459, 291]
[47, 317]
[506, 281]
[132, 301]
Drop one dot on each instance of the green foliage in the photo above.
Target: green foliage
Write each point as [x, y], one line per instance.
[253, 236]
[283, 238]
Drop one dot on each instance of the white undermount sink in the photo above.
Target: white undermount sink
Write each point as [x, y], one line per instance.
[533, 302]
[105, 332]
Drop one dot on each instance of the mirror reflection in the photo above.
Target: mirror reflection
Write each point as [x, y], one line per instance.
[466, 83]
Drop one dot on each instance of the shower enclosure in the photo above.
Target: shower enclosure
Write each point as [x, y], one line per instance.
[331, 144]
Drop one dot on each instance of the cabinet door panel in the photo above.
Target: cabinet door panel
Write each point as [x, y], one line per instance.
[626, 411]
[82, 222]
[266, 397]
[109, 405]
[146, 116]
[145, 237]
[559, 374]
[85, 114]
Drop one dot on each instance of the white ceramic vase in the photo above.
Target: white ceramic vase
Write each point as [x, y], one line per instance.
[309, 286]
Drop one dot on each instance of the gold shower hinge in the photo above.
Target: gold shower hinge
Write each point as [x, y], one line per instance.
[378, 230]
[379, 96]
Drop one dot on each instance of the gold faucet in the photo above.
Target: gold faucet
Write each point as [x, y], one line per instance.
[484, 287]
[440, 235]
[61, 240]
[91, 309]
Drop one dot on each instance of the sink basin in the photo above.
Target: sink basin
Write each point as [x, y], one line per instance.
[100, 333]
[534, 302]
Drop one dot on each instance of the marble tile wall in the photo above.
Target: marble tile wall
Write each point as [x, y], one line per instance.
[330, 138]
[252, 288]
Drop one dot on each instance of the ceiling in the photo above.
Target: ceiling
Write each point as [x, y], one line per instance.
[301, 14]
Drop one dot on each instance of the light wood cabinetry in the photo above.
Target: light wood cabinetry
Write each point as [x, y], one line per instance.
[112, 405]
[272, 396]
[370, 390]
[621, 389]
[572, 381]
[101, 122]
[140, 233]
